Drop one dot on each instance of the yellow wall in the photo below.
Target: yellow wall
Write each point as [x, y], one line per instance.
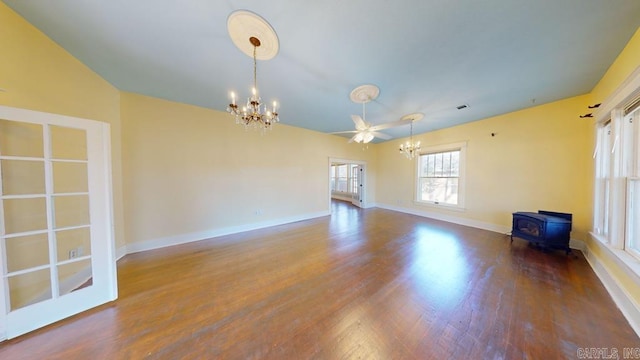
[538, 159]
[189, 170]
[37, 74]
[622, 67]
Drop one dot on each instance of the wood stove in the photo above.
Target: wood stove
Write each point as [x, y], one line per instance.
[546, 229]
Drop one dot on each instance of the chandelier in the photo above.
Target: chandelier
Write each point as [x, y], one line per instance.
[409, 148]
[244, 24]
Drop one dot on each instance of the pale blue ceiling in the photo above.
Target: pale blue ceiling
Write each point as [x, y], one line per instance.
[426, 56]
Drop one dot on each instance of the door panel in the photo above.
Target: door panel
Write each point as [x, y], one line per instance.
[70, 274]
[58, 255]
[72, 210]
[24, 252]
[78, 238]
[29, 288]
[358, 196]
[21, 177]
[70, 177]
[68, 143]
[21, 139]
[24, 215]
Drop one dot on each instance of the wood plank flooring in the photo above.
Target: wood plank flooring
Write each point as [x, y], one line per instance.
[361, 284]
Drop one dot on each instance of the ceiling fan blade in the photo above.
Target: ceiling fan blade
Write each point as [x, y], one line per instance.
[360, 124]
[381, 135]
[353, 138]
[391, 124]
[345, 132]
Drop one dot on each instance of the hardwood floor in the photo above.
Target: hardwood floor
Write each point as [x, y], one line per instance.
[361, 284]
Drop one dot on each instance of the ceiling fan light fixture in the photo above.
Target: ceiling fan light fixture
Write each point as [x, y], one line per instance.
[365, 131]
[362, 95]
[367, 137]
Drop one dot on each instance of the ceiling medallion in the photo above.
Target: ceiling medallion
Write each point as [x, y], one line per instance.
[256, 38]
[364, 93]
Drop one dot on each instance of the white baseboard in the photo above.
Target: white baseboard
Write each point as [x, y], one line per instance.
[369, 205]
[202, 235]
[623, 300]
[121, 252]
[449, 218]
[578, 245]
[573, 243]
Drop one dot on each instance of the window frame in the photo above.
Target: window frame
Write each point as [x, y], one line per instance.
[612, 215]
[631, 172]
[458, 146]
[602, 179]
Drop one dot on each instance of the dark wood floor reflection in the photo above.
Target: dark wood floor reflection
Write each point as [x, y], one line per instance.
[361, 284]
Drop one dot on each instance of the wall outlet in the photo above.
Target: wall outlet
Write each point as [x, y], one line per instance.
[77, 252]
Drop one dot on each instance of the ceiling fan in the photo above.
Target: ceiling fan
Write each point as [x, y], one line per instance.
[365, 131]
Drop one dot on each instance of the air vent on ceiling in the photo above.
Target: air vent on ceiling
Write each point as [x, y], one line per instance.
[463, 106]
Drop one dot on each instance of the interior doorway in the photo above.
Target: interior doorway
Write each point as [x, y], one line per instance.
[347, 181]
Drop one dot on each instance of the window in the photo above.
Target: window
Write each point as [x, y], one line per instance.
[617, 180]
[603, 178]
[341, 178]
[440, 175]
[344, 178]
[631, 164]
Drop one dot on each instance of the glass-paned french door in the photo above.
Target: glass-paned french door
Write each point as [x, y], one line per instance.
[357, 176]
[56, 234]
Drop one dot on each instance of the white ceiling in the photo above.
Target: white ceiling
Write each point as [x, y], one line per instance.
[426, 56]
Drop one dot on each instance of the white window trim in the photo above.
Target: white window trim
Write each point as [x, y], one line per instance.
[462, 146]
[612, 108]
[635, 253]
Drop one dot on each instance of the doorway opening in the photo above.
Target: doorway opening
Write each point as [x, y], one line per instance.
[347, 182]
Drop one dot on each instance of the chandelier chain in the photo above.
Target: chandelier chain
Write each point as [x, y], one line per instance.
[255, 69]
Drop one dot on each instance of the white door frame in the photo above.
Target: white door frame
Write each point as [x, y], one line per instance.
[363, 191]
[103, 259]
